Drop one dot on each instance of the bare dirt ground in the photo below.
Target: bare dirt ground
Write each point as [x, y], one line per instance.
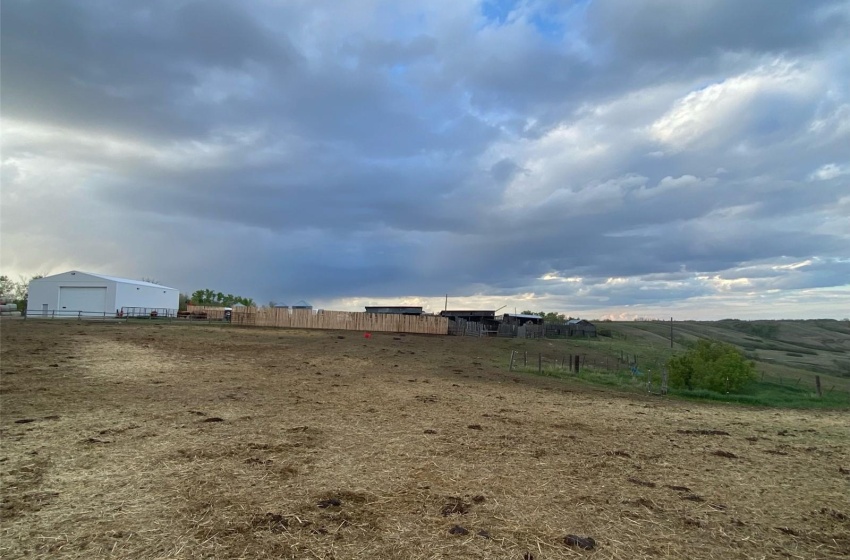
[158, 441]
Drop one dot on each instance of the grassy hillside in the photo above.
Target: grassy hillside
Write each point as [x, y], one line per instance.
[778, 347]
[788, 355]
[785, 352]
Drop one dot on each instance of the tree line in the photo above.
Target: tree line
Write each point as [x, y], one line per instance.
[16, 291]
[218, 299]
[549, 317]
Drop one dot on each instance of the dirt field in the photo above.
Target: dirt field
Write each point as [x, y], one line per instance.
[158, 441]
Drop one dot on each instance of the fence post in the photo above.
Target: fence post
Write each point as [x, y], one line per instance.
[525, 359]
[817, 383]
[539, 363]
[577, 362]
[511, 367]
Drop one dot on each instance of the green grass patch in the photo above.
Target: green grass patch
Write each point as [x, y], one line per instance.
[766, 393]
[760, 393]
[621, 380]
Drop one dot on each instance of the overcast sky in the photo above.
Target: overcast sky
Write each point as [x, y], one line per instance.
[617, 158]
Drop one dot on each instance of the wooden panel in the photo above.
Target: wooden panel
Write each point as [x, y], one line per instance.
[334, 320]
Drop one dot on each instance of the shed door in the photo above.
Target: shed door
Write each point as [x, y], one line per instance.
[82, 299]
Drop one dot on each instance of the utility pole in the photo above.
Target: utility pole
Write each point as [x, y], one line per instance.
[446, 308]
[671, 333]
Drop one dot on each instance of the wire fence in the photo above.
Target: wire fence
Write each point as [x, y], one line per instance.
[124, 314]
[807, 382]
[654, 378]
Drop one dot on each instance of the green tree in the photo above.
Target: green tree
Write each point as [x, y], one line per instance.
[711, 365]
[8, 287]
[17, 292]
[209, 297]
[554, 317]
[549, 317]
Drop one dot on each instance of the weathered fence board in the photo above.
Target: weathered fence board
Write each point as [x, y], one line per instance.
[462, 327]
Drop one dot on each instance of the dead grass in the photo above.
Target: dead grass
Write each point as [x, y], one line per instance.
[333, 447]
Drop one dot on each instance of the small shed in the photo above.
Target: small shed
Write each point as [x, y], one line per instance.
[476, 316]
[581, 327]
[395, 309]
[521, 319]
[486, 318]
[302, 305]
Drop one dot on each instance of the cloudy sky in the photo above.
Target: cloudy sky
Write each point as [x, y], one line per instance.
[617, 158]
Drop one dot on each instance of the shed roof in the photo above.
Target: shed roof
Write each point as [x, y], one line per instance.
[467, 312]
[415, 308]
[112, 279]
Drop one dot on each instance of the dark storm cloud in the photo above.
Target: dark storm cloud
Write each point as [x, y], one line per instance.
[102, 66]
[672, 31]
[610, 154]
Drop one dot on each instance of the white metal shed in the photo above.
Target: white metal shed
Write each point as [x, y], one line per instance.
[76, 293]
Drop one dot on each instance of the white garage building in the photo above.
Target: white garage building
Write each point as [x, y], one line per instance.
[78, 293]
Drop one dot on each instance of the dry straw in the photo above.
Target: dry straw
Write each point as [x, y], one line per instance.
[333, 447]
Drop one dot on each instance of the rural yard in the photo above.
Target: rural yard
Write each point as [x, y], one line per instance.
[124, 440]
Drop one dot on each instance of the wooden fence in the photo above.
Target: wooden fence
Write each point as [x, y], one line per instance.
[525, 331]
[331, 320]
[564, 330]
[209, 312]
[462, 327]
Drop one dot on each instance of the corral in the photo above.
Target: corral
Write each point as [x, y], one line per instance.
[170, 441]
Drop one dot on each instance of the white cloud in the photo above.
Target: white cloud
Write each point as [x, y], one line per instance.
[829, 171]
[670, 184]
[717, 112]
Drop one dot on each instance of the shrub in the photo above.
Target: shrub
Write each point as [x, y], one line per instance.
[711, 365]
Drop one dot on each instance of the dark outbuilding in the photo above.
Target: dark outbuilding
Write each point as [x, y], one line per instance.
[395, 309]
